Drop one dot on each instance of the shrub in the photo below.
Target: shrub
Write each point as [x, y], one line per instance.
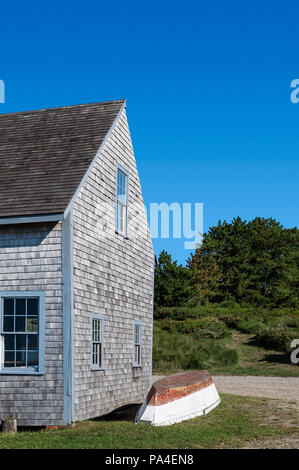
[249, 326]
[230, 319]
[174, 351]
[178, 313]
[278, 338]
[291, 323]
[208, 327]
[287, 322]
[273, 328]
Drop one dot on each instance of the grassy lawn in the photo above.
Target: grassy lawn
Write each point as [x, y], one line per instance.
[236, 422]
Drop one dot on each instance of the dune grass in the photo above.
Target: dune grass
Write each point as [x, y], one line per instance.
[238, 354]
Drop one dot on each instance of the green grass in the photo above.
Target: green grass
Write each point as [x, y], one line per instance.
[173, 351]
[236, 422]
[225, 338]
[274, 328]
[235, 355]
[256, 360]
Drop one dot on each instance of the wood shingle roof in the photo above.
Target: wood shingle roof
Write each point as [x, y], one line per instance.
[45, 154]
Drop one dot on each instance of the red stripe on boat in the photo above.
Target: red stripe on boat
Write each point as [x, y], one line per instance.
[177, 386]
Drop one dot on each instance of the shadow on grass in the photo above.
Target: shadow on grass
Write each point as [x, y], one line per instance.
[279, 358]
[273, 357]
[253, 342]
[124, 413]
[31, 428]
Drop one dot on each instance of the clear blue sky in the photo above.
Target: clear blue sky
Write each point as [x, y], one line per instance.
[207, 85]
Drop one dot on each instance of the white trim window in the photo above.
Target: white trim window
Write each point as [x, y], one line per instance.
[122, 201]
[97, 330]
[137, 344]
[22, 332]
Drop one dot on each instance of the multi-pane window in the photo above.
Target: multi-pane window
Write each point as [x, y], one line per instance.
[137, 343]
[121, 201]
[97, 341]
[20, 333]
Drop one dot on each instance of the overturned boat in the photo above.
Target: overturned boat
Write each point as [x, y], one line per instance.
[179, 397]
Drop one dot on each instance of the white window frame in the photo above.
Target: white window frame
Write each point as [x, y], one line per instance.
[123, 232]
[97, 316]
[34, 370]
[138, 324]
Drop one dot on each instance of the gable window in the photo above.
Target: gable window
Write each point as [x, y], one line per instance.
[22, 331]
[137, 343]
[97, 326]
[122, 201]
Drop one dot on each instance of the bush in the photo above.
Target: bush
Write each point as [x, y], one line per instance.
[292, 323]
[230, 319]
[208, 327]
[249, 326]
[278, 338]
[178, 313]
[273, 328]
[286, 322]
[174, 351]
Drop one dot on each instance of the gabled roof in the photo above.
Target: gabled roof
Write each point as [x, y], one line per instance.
[45, 154]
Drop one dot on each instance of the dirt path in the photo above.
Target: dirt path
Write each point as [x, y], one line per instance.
[284, 388]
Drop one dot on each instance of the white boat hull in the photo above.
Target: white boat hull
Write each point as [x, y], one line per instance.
[187, 407]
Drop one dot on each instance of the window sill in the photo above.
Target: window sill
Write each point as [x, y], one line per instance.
[137, 372]
[124, 235]
[93, 369]
[21, 372]
[137, 366]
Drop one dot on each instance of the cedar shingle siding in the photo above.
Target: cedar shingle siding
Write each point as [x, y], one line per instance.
[30, 260]
[81, 263]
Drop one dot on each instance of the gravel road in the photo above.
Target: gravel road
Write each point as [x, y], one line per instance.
[284, 388]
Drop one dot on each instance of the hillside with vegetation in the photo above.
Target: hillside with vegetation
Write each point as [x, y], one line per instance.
[234, 308]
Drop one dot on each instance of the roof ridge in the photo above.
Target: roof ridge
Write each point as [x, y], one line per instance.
[123, 100]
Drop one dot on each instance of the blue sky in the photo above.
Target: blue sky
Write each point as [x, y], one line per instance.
[207, 88]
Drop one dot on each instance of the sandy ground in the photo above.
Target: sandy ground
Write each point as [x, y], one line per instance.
[285, 388]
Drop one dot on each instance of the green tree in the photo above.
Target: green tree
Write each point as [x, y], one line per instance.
[257, 262]
[207, 276]
[174, 283]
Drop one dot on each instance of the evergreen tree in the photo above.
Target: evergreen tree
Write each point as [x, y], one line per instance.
[258, 262]
[174, 283]
[207, 276]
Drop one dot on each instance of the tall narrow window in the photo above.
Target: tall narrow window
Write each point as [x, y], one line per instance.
[121, 201]
[97, 324]
[21, 333]
[137, 343]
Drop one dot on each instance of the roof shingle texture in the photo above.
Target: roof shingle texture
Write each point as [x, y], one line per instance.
[45, 154]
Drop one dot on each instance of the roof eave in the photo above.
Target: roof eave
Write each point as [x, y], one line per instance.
[31, 219]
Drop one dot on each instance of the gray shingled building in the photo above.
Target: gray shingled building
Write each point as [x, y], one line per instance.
[76, 266]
